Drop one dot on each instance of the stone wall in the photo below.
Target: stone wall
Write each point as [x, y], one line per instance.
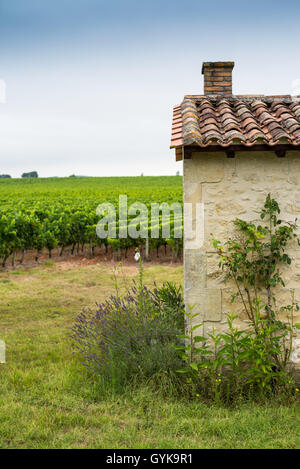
[230, 188]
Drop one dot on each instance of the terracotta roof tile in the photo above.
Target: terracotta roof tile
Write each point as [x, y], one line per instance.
[245, 119]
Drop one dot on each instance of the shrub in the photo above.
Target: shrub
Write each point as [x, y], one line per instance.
[132, 337]
[235, 364]
[253, 361]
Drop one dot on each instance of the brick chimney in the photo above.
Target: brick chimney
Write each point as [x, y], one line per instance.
[218, 78]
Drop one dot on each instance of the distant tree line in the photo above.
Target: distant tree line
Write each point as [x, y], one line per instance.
[32, 174]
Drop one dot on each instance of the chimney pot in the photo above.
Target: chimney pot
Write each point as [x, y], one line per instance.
[218, 78]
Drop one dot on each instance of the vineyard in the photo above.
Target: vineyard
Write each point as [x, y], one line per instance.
[60, 213]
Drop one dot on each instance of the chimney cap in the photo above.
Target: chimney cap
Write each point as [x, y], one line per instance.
[213, 65]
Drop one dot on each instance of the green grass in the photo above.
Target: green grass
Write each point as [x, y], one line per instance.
[46, 403]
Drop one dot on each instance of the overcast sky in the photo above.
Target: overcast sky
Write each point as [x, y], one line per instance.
[87, 86]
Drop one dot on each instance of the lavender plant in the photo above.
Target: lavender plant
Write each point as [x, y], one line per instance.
[131, 336]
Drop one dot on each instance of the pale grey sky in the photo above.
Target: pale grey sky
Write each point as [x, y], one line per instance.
[90, 84]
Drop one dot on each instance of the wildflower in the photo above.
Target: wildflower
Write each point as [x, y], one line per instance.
[297, 390]
[197, 395]
[137, 256]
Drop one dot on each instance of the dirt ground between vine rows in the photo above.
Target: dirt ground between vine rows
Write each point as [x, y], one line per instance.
[69, 261]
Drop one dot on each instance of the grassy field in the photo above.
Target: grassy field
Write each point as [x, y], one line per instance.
[46, 403]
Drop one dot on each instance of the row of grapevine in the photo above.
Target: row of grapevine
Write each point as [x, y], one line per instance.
[67, 225]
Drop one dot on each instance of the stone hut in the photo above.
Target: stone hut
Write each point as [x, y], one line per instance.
[235, 150]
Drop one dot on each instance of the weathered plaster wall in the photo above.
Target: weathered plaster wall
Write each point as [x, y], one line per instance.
[230, 188]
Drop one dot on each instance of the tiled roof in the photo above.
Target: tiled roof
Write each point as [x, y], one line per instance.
[237, 120]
